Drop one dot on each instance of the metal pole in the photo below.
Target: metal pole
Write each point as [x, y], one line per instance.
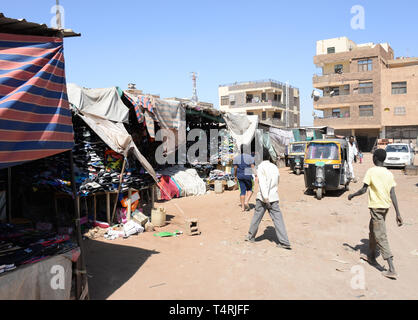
[58, 15]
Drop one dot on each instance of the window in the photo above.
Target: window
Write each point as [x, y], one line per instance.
[366, 111]
[365, 88]
[365, 65]
[250, 113]
[277, 115]
[399, 87]
[224, 101]
[276, 97]
[250, 98]
[264, 115]
[296, 100]
[400, 111]
[336, 113]
[397, 148]
[263, 97]
[323, 151]
[335, 91]
[338, 68]
[331, 50]
[232, 103]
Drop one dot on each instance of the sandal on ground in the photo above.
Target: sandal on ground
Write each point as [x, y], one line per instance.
[390, 275]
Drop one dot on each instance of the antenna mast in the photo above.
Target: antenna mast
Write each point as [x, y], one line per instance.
[194, 76]
[58, 15]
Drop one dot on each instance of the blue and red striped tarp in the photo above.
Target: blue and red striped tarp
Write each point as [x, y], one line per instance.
[35, 119]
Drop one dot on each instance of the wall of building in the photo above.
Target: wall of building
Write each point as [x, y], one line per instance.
[409, 100]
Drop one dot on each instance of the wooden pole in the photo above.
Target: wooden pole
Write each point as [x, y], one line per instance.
[81, 263]
[120, 185]
[95, 208]
[9, 194]
[108, 207]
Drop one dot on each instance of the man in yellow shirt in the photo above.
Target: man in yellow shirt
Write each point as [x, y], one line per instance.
[381, 185]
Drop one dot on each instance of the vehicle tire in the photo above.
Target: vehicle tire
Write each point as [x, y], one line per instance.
[319, 193]
[298, 172]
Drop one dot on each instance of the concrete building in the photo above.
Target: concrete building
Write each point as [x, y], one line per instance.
[266, 98]
[365, 92]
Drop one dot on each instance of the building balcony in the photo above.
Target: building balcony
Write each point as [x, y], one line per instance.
[337, 79]
[266, 106]
[274, 122]
[351, 122]
[343, 100]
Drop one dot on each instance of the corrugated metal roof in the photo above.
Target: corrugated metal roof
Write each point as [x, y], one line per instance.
[21, 26]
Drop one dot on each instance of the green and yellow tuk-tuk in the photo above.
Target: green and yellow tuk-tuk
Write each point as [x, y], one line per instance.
[296, 156]
[326, 166]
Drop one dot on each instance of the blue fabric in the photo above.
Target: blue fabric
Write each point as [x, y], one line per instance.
[244, 162]
[245, 185]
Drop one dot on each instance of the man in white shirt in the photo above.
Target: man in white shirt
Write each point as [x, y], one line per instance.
[353, 152]
[268, 199]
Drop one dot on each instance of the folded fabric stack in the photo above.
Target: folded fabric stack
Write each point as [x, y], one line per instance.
[99, 168]
[187, 181]
[220, 175]
[48, 174]
[21, 246]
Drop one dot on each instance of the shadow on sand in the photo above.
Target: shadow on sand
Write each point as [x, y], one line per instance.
[269, 234]
[363, 249]
[109, 266]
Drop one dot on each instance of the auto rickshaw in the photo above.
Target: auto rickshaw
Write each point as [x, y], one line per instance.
[326, 166]
[296, 156]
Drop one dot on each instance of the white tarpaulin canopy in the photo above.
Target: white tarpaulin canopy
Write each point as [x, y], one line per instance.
[112, 132]
[104, 103]
[241, 127]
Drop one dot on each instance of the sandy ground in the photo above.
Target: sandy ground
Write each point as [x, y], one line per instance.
[327, 237]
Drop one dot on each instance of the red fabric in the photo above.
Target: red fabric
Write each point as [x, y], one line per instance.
[168, 188]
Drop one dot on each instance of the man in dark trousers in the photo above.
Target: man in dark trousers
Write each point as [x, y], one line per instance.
[381, 185]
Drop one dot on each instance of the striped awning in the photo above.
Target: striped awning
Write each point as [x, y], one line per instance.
[35, 119]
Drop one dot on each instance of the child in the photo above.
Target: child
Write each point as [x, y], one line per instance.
[381, 185]
[360, 156]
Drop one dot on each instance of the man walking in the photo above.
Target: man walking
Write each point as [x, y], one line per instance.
[244, 169]
[268, 199]
[381, 184]
[353, 152]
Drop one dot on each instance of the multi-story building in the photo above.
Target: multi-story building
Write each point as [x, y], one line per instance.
[266, 98]
[365, 92]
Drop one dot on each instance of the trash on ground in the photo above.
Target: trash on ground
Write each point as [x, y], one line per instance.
[168, 234]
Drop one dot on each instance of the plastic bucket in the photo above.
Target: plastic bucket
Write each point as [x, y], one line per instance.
[219, 187]
[158, 217]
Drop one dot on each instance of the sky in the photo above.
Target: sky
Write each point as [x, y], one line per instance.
[156, 44]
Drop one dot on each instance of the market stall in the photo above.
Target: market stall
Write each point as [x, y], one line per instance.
[35, 123]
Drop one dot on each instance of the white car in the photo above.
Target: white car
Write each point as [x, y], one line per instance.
[399, 155]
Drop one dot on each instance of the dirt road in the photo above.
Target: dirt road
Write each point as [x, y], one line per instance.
[327, 237]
